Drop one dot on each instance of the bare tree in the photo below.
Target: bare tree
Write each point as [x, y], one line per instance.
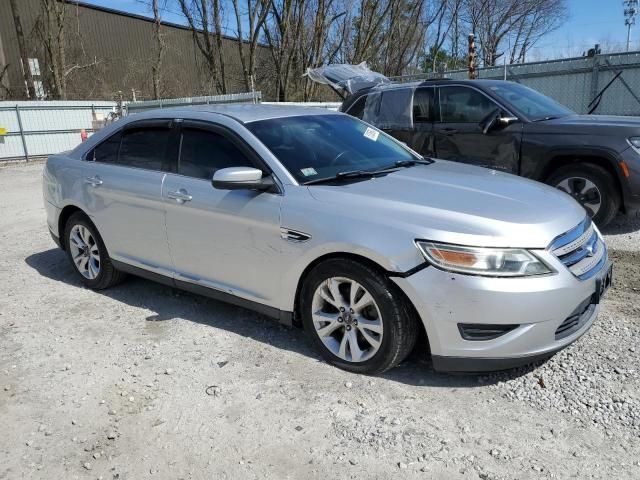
[31, 91]
[5, 91]
[205, 21]
[64, 56]
[255, 14]
[53, 35]
[158, 40]
[283, 33]
[521, 22]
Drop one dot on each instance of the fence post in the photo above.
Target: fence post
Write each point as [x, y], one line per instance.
[24, 141]
[594, 76]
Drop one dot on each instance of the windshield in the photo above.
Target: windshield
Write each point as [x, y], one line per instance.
[315, 147]
[531, 103]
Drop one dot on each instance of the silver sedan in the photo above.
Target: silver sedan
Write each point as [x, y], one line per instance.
[316, 218]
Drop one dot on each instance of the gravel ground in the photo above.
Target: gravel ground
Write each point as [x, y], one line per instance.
[142, 381]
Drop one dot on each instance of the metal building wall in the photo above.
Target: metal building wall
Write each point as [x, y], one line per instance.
[123, 45]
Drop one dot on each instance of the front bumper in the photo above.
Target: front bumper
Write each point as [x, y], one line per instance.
[538, 305]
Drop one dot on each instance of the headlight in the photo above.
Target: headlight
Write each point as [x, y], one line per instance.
[635, 143]
[494, 262]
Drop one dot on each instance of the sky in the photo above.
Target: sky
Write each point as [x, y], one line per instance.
[589, 22]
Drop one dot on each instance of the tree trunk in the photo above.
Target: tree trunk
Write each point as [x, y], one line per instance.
[31, 90]
[159, 42]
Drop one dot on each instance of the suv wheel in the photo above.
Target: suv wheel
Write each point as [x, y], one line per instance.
[356, 318]
[592, 186]
[88, 255]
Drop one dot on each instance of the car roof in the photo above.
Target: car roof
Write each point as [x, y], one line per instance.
[244, 113]
[426, 83]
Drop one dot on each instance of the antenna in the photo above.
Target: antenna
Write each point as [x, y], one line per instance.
[630, 11]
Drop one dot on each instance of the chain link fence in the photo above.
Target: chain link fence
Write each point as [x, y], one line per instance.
[574, 82]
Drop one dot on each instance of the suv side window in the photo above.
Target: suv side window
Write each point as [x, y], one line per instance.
[464, 105]
[144, 148]
[357, 108]
[422, 105]
[202, 152]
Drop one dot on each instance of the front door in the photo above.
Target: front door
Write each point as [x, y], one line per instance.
[228, 240]
[122, 182]
[458, 133]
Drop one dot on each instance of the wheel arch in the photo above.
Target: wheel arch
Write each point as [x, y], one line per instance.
[361, 259]
[64, 216]
[602, 158]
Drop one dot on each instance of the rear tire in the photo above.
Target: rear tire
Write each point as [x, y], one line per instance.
[88, 255]
[592, 186]
[353, 301]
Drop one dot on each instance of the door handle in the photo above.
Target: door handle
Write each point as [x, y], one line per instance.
[449, 131]
[180, 196]
[93, 181]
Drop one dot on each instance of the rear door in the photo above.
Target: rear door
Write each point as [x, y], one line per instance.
[122, 189]
[458, 134]
[228, 240]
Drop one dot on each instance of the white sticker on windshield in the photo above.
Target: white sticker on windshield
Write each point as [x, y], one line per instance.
[308, 172]
[371, 134]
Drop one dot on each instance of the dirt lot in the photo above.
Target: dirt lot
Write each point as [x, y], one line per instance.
[114, 385]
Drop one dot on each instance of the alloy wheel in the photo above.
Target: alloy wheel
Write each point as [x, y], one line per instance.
[347, 319]
[84, 251]
[584, 191]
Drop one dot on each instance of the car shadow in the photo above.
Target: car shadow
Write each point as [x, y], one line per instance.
[622, 224]
[170, 303]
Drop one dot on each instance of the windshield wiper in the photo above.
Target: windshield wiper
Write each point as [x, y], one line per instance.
[346, 175]
[370, 173]
[550, 117]
[411, 163]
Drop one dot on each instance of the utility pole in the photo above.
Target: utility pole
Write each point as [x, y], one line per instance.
[630, 11]
[473, 73]
[26, 69]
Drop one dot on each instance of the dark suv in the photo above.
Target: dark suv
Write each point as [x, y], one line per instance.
[507, 126]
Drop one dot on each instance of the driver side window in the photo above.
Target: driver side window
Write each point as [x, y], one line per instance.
[202, 152]
[464, 105]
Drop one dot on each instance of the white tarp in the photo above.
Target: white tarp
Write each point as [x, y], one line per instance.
[347, 78]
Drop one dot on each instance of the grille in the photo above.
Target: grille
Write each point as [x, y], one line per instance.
[480, 331]
[581, 250]
[575, 321]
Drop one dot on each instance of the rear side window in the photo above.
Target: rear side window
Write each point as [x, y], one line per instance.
[107, 151]
[357, 108]
[144, 148]
[202, 152]
[422, 102]
[464, 105]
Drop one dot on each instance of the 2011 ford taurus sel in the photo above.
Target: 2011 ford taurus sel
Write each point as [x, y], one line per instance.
[314, 216]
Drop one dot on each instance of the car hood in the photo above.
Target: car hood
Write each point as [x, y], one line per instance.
[456, 203]
[597, 122]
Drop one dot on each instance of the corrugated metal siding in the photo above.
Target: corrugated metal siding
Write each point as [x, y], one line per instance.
[122, 45]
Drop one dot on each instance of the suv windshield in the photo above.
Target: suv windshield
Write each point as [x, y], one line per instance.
[315, 147]
[533, 104]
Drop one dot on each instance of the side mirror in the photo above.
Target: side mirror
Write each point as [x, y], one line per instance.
[241, 178]
[506, 121]
[495, 119]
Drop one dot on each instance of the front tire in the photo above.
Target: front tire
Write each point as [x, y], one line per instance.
[356, 317]
[88, 255]
[592, 186]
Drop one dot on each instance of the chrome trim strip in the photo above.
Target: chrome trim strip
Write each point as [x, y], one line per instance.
[581, 250]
